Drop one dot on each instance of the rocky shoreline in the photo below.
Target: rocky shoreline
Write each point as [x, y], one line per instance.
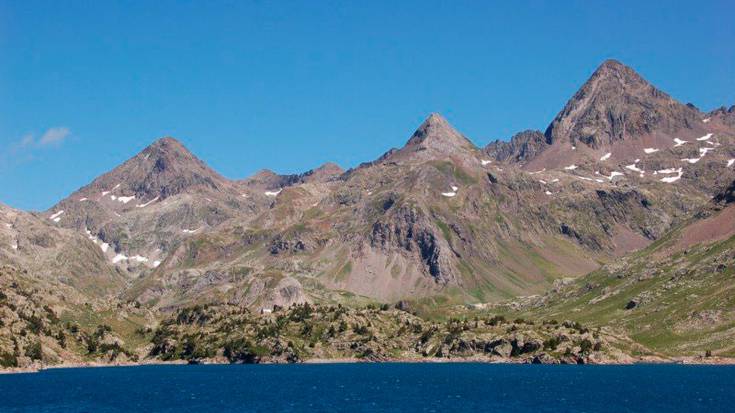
[687, 360]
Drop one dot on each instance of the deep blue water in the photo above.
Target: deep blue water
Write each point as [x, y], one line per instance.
[373, 388]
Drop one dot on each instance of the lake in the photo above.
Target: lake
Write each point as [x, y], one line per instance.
[391, 387]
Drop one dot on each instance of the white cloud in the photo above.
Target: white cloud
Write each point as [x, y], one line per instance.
[26, 140]
[51, 137]
[54, 136]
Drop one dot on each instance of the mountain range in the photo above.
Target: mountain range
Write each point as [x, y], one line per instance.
[624, 176]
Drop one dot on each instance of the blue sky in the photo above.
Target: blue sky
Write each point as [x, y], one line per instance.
[290, 85]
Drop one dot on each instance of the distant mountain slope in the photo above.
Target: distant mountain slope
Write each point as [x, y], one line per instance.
[620, 215]
[53, 254]
[437, 220]
[675, 297]
[140, 210]
[615, 112]
[431, 219]
[617, 104]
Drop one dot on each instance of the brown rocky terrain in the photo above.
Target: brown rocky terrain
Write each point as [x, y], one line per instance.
[440, 222]
[436, 218]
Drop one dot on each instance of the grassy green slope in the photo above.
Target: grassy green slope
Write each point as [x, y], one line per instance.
[673, 301]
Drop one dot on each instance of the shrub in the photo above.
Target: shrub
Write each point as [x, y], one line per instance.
[243, 351]
[301, 312]
[585, 346]
[426, 335]
[360, 329]
[551, 343]
[496, 320]
[8, 360]
[34, 351]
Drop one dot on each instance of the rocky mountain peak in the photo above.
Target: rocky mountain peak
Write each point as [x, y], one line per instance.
[325, 172]
[435, 138]
[164, 168]
[434, 128]
[615, 104]
[169, 153]
[615, 68]
[329, 167]
[521, 147]
[167, 143]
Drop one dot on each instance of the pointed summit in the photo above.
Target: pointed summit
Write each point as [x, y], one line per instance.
[613, 65]
[166, 144]
[170, 154]
[612, 70]
[616, 104]
[163, 169]
[435, 127]
[435, 138]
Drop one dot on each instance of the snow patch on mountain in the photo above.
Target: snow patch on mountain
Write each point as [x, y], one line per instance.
[103, 245]
[703, 151]
[672, 179]
[57, 216]
[138, 258]
[147, 203]
[125, 199]
[634, 167]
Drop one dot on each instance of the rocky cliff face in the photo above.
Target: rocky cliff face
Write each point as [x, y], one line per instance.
[522, 147]
[615, 117]
[616, 104]
[409, 229]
